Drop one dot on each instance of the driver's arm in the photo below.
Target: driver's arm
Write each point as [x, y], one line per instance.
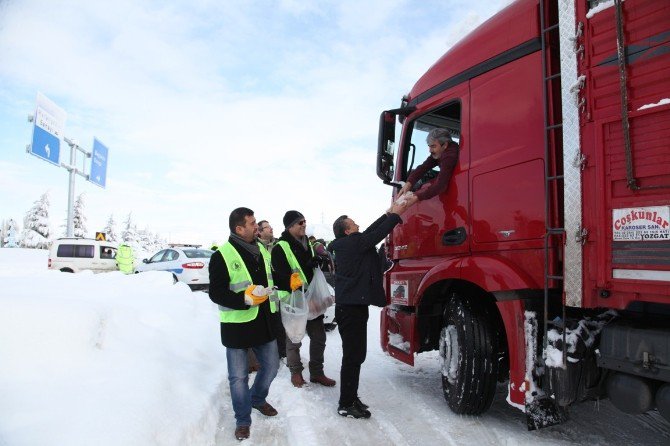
[447, 163]
[420, 171]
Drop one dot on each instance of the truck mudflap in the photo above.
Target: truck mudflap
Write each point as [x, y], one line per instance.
[567, 371]
[398, 334]
[541, 410]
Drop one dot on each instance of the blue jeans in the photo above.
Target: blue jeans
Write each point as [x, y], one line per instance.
[238, 378]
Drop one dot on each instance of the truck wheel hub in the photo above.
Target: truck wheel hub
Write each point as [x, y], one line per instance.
[449, 353]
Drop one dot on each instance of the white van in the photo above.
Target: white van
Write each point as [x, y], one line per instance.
[72, 255]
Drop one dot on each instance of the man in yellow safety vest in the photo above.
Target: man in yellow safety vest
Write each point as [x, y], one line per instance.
[125, 259]
[240, 282]
[293, 255]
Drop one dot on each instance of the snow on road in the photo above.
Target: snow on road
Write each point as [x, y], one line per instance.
[408, 408]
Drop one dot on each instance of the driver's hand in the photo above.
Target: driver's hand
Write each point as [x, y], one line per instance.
[411, 199]
[407, 186]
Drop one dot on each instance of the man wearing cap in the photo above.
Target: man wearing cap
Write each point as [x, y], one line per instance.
[240, 277]
[293, 254]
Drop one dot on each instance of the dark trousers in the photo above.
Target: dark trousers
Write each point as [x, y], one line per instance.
[352, 322]
[317, 345]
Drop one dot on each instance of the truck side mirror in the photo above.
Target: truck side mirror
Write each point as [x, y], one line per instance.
[386, 146]
[386, 142]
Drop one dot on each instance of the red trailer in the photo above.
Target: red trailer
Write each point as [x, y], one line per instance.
[546, 262]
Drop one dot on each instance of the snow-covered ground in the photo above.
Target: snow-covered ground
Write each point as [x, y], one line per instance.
[134, 360]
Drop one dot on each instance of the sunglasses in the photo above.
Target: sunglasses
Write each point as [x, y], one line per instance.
[302, 222]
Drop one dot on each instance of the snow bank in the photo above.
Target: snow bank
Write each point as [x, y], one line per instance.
[105, 359]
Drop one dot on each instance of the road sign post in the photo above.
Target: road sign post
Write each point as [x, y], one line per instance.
[48, 124]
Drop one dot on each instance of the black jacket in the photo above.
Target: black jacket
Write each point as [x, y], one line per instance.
[358, 274]
[247, 334]
[281, 271]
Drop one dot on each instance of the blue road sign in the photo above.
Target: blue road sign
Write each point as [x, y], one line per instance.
[98, 173]
[45, 145]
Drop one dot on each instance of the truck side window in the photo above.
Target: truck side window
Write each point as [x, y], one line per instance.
[416, 149]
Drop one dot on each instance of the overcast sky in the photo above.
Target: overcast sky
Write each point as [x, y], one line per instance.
[210, 105]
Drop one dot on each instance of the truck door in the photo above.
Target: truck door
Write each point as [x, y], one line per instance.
[437, 226]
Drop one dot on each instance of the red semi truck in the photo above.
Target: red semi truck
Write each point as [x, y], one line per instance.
[546, 262]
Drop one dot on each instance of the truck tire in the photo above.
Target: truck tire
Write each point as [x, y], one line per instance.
[468, 351]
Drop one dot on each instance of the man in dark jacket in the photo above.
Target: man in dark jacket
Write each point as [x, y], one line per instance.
[358, 284]
[292, 254]
[240, 282]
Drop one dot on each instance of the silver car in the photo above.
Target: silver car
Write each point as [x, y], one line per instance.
[188, 264]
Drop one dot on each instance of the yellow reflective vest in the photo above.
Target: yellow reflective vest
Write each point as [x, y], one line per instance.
[293, 264]
[240, 279]
[125, 259]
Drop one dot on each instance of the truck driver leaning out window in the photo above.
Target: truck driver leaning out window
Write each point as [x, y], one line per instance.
[443, 152]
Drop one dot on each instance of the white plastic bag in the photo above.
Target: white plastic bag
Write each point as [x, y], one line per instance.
[294, 316]
[319, 295]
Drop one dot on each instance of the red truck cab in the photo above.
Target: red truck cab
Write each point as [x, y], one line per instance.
[546, 262]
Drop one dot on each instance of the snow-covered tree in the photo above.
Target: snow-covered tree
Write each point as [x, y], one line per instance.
[110, 230]
[11, 239]
[159, 242]
[149, 242]
[129, 233]
[144, 240]
[3, 232]
[79, 219]
[36, 227]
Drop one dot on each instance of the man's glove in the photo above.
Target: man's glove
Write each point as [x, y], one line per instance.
[296, 282]
[256, 294]
[316, 262]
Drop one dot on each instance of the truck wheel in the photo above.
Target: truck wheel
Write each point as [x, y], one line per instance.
[468, 344]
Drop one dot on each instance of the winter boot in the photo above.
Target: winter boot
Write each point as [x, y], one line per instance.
[242, 432]
[361, 405]
[353, 411]
[323, 380]
[296, 380]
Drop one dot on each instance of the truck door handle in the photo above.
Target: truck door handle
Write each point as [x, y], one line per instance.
[454, 237]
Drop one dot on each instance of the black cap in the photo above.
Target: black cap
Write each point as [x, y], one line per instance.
[291, 218]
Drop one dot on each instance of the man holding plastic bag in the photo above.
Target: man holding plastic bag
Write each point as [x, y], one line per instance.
[240, 276]
[294, 263]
